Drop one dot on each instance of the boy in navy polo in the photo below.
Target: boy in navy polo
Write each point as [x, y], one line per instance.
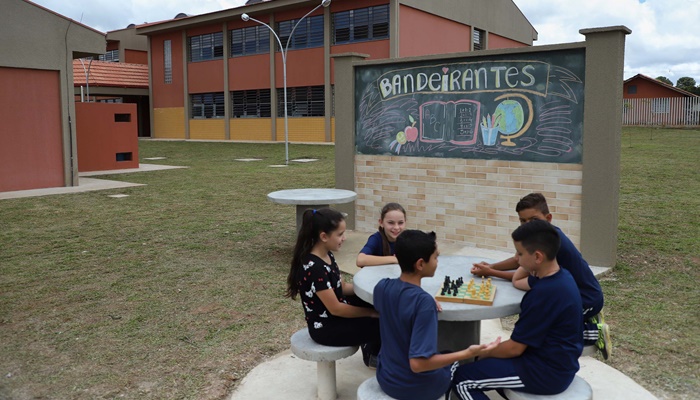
[595, 330]
[542, 353]
[409, 365]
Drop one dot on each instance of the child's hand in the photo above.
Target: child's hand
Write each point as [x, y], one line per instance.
[438, 305]
[479, 350]
[481, 269]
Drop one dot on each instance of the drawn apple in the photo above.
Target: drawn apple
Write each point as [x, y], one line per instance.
[411, 131]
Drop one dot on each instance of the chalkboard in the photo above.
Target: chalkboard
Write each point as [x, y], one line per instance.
[526, 107]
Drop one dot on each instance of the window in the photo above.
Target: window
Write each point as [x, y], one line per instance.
[306, 101]
[479, 38]
[111, 56]
[252, 40]
[309, 33]
[167, 62]
[632, 89]
[209, 46]
[359, 25]
[251, 104]
[207, 105]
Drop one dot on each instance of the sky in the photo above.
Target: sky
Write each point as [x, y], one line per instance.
[665, 39]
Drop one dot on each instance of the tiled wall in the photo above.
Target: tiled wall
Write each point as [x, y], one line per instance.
[467, 201]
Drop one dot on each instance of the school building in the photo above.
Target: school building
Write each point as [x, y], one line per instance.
[216, 77]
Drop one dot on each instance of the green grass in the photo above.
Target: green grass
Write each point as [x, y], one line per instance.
[176, 290]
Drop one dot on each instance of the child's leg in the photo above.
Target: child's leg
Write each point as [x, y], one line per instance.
[471, 380]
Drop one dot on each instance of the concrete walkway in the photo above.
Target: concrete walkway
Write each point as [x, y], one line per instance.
[286, 376]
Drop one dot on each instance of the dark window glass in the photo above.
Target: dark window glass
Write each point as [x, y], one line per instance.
[250, 103]
[209, 46]
[360, 25]
[207, 105]
[309, 32]
[305, 101]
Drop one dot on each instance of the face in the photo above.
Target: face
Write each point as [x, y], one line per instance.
[394, 222]
[430, 267]
[334, 239]
[524, 258]
[531, 214]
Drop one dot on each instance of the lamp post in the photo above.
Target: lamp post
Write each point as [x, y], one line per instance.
[283, 50]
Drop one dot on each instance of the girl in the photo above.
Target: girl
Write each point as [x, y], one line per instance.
[334, 315]
[379, 249]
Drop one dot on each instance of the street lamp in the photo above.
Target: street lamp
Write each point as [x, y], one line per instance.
[283, 50]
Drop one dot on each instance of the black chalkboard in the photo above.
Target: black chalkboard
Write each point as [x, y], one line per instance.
[526, 107]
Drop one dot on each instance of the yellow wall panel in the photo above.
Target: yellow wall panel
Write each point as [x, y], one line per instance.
[168, 123]
[252, 129]
[305, 129]
[207, 129]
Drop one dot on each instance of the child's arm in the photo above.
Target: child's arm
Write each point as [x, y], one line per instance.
[520, 279]
[502, 269]
[340, 309]
[422, 364]
[367, 260]
[508, 349]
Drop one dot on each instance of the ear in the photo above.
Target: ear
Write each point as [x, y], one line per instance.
[539, 256]
[548, 217]
[323, 237]
[379, 221]
[419, 265]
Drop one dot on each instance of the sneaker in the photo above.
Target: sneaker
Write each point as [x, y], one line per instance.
[372, 362]
[604, 343]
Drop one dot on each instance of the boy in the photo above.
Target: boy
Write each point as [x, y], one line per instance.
[542, 353]
[596, 331]
[409, 365]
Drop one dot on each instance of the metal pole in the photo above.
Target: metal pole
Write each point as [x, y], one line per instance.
[284, 50]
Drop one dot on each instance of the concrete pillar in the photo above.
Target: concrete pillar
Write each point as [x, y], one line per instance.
[345, 128]
[602, 131]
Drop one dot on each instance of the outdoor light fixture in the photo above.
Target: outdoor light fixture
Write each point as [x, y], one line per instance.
[283, 50]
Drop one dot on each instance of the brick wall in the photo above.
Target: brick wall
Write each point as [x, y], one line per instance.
[467, 201]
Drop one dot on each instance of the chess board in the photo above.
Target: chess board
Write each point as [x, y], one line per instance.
[483, 292]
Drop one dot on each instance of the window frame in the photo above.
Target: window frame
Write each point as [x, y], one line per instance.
[303, 101]
[307, 35]
[361, 25]
[255, 103]
[202, 104]
[260, 41]
[209, 46]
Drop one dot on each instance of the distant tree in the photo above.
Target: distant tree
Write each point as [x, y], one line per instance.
[688, 84]
[664, 80]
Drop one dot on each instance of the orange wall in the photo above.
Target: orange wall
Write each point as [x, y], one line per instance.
[171, 94]
[351, 5]
[205, 76]
[304, 68]
[377, 49]
[31, 149]
[646, 89]
[417, 37]
[499, 42]
[100, 137]
[249, 72]
[135, 57]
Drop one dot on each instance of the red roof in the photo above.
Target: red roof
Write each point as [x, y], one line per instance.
[110, 74]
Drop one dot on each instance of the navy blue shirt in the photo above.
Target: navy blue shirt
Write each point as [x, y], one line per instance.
[571, 259]
[408, 324]
[551, 326]
[374, 247]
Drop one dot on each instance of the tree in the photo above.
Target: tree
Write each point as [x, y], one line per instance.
[687, 83]
[664, 80]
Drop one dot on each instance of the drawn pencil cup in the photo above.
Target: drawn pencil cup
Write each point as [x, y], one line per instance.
[489, 135]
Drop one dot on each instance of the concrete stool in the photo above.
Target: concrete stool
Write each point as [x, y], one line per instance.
[325, 356]
[370, 390]
[589, 351]
[578, 390]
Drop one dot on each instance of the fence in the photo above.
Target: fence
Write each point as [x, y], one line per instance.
[667, 111]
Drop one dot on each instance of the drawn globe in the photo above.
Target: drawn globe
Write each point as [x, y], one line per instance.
[509, 117]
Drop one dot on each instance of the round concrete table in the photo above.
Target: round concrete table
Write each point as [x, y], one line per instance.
[311, 198]
[459, 324]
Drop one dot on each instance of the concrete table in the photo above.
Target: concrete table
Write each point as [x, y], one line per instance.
[459, 324]
[311, 198]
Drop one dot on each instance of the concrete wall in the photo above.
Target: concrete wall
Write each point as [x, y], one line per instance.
[107, 136]
[472, 201]
[35, 38]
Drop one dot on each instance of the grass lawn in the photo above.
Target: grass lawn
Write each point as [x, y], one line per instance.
[176, 290]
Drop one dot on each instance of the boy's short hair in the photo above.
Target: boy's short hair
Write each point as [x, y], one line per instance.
[411, 246]
[538, 235]
[535, 201]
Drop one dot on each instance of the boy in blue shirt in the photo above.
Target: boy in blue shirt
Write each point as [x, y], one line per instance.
[595, 330]
[542, 353]
[410, 366]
